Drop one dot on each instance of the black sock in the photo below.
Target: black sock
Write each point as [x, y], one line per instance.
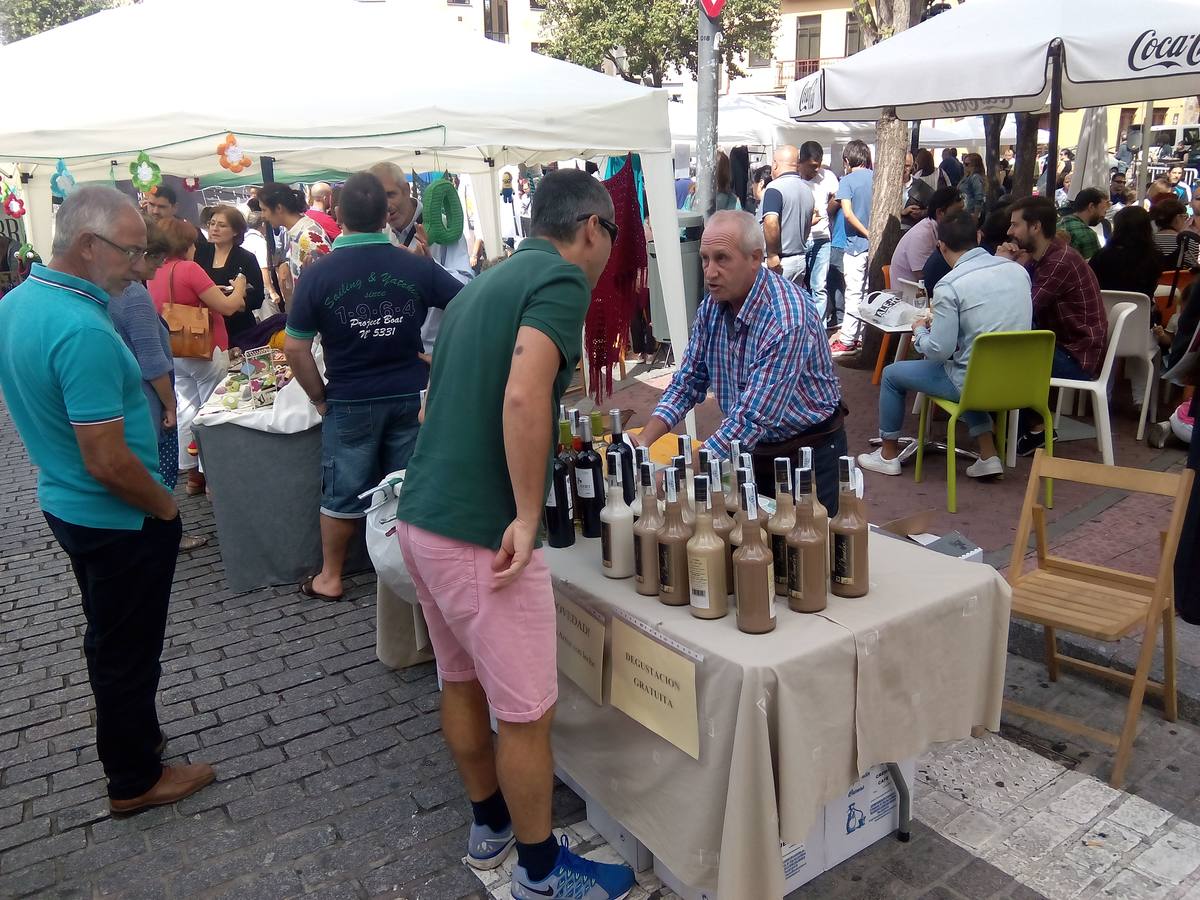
[538, 859]
[492, 812]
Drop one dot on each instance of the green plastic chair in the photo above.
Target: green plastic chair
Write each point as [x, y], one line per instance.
[1008, 370]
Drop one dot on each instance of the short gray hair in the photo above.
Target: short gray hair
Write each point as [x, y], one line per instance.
[750, 233]
[390, 170]
[562, 198]
[91, 209]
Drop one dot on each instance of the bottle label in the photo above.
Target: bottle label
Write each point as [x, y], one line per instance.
[795, 572]
[606, 545]
[637, 560]
[779, 550]
[771, 581]
[698, 578]
[843, 559]
[664, 569]
[551, 499]
[585, 484]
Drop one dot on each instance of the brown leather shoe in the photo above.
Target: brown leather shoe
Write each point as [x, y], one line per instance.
[175, 783]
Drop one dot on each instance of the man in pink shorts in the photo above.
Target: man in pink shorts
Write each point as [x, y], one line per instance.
[470, 517]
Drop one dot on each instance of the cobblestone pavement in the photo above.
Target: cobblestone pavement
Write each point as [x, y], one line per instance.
[334, 781]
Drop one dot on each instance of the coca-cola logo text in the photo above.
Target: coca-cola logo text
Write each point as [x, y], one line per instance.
[1150, 51]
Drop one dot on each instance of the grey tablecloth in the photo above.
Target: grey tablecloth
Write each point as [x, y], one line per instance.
[788, 719]
[266, 496]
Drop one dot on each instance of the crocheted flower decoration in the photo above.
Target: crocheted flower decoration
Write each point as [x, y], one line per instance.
[231, 156]
[26, 254]
[191, 184]
[62, 182]
[144, 173]
[14, 205]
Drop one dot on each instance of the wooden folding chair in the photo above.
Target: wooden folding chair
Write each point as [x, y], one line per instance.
[1099, 602]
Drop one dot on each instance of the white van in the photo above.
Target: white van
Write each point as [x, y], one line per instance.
[1166, 140]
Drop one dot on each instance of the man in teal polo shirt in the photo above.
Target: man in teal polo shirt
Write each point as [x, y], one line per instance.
[74, 392]
[469, 522]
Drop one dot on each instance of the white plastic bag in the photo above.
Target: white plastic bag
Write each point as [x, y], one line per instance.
[884, 310]
[382, 543]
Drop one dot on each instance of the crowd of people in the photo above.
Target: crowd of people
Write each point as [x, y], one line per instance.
[104, 398]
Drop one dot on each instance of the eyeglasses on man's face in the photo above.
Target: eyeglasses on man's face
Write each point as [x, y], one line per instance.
[608, 226]
[133, 254]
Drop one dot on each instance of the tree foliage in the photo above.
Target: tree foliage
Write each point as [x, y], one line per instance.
[25, 18]
[645, 40]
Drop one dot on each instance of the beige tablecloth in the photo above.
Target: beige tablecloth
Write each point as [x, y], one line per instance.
[790, 719]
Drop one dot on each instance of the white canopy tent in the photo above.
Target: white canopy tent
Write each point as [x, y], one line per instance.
[413, 103]
[763, 121]
[968, 132]
[997, 56]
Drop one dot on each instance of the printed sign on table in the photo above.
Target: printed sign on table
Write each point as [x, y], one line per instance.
[656, 686]
[581, 647]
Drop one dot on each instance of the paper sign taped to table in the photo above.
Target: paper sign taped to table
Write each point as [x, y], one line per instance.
[581, 647]
[655, 686]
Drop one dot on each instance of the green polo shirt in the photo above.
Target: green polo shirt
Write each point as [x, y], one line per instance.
[457, 482]
[62, 364]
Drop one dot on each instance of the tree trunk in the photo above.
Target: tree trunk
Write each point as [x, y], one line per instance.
[891, 145]
[1025, 172]
[992, 126]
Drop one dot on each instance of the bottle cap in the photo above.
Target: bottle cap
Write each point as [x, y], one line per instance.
[562, 411]
[585, 429]
[615, 414]
[746, 462]
[846, 469]
[643, 454]
[614, 467]
[783, 473]
[803, 480]
[685, 445]
[714, 471]
[647, 470]
[597, 419]
[704, 456]
[750, 500]
[806, 457]
[702, 491]
[735, 451]
[672, 476]
[744, 475]
[679, 463]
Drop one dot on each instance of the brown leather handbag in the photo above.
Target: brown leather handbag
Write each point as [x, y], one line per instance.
[190, 326]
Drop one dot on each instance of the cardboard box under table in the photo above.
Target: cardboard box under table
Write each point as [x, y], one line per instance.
[785, 722]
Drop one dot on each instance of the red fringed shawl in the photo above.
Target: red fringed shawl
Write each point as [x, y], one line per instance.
[623, 289]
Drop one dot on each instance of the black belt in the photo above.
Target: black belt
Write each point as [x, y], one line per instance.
[790, 255]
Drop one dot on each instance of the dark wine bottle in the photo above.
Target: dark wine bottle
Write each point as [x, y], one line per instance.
[567, 456]
[589, 482]
[560, 509]
[628, 481]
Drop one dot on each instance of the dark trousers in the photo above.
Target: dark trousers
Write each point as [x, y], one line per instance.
[1187, 556]
[125, 579]
[825, 469]
[1063, 366]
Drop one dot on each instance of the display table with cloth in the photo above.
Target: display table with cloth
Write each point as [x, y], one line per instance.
[787, 720]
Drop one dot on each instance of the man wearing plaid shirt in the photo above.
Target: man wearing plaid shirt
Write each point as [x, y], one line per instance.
[1066, 298]
[1079, 225]
[760, 346]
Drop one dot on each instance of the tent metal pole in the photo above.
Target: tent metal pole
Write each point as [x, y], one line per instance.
[1055, 112]
[915, 145]
[268, 168]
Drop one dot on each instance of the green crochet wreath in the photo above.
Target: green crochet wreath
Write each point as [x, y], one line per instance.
[443, 217]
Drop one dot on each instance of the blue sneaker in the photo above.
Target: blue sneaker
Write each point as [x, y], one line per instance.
[574, 878]
[486, 849]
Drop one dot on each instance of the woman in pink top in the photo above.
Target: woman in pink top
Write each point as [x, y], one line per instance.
[183, 282]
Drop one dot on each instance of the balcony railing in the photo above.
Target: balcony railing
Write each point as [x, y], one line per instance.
[789, 70]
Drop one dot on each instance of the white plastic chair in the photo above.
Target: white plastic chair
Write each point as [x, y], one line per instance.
[1119, 317]
[909, 290]
[1137, 343]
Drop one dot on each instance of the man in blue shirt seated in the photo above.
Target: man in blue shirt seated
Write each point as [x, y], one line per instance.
[759, 344]
[75, 394]
[367, 300]
[981, 294]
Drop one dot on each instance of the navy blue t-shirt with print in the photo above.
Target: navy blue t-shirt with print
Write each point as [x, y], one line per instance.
[368, 300]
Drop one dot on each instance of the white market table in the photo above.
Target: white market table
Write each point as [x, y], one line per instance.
[788, 719]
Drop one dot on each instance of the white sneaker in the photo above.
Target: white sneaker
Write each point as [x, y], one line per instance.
[876, 463]
[983, 468]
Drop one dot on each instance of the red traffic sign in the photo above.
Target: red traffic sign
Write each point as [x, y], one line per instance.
[712, 8]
